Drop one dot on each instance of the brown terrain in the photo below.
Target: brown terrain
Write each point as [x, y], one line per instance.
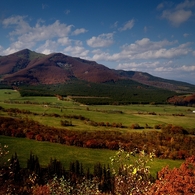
[27, 66]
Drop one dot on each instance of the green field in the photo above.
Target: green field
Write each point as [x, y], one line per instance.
[67, 154]
[125, 114]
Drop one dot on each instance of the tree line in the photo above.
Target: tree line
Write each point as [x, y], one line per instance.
[17, 180]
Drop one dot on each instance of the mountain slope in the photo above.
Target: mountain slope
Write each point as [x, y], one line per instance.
[25, 66]
[33, 68]
[158, 82]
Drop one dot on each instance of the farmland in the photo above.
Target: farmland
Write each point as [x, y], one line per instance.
[50, 111]
[127, 114]
[66, 130]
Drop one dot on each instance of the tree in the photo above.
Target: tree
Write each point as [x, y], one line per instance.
[177, 181]
[131, 173]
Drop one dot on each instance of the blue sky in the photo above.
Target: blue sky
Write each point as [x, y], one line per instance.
[153, 36]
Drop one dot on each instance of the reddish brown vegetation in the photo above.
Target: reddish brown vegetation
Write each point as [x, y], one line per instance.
[177, 181]
[172, 142]
[52, 69]
[26, 66]
[182, 100]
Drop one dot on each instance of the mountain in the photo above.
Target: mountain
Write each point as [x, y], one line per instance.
[29, 67]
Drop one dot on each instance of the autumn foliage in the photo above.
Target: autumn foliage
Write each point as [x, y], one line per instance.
[177, 181]
[169, 142]
[129, 174]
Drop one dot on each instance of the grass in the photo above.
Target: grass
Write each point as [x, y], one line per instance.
[67, 154]
[130, 114]
[106, 113]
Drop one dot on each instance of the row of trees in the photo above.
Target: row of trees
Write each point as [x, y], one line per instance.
[17, 180]
[171, 142]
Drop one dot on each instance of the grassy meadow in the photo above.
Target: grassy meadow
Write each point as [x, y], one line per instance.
[66, 154]
[125, 114]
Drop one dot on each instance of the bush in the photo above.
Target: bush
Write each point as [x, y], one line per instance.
[132, 175]
[136, 126]
[177, 181]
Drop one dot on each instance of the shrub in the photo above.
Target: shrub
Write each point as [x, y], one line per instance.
[177, 181]
[136, 126]
[61, 186]
[132, 175]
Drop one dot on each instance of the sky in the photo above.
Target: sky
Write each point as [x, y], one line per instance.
[153, 36]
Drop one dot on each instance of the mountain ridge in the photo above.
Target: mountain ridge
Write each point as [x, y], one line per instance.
[30, 67]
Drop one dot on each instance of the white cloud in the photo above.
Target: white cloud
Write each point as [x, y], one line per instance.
[64, 41]
[79, 31]
[48, 47]
[177, 17]
[47, 32]
[163, 69]
[21, 26]
[128, 25]
[102, 56]
[137, 66]
[186, 4]
[187, 68]
[41, 37]
[186, 34]
[76, 51]
[16, 46]
[103, 40]
[38, 32]
[147, 50]
[178, 14]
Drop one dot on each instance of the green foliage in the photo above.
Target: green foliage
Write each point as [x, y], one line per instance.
[5, 86]
[132, 174]
[119, 92]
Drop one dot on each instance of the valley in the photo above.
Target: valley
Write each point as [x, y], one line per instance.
[68, 118]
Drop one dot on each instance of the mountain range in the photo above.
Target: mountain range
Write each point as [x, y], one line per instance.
[33, 68]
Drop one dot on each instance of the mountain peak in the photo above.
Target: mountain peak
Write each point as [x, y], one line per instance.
[28, 66]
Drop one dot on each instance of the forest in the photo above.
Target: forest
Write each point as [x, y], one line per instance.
[120, 92]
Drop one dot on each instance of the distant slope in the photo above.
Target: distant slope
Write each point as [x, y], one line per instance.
[29, 67]
[150, 80]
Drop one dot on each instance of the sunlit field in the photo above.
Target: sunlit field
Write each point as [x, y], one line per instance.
[127, 114]
[43, 110]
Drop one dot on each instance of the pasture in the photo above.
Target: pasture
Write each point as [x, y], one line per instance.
[66, 154]
[43, 110]
[125, 114]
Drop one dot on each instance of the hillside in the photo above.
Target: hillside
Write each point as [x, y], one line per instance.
[38, 74]
[34, 68]
[29, 67]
